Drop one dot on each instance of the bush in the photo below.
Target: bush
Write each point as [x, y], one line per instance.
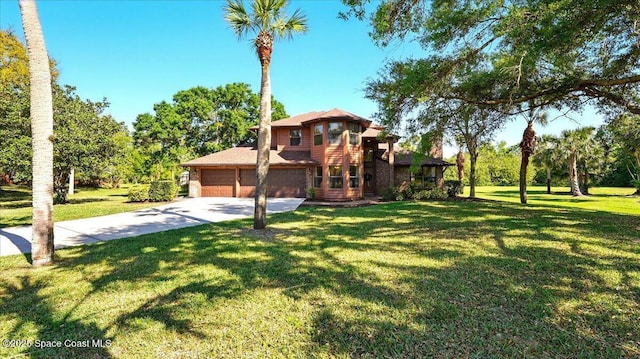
[438, 194]
[453, 188]
[389, 194]
[138, 193]
[311, 193]
[421, 195]
[161, 191]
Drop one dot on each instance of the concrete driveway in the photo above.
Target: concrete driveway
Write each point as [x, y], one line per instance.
[179, 214]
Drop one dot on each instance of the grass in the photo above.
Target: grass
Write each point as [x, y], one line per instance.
[406, 279]
[608, 199]
[15, 205]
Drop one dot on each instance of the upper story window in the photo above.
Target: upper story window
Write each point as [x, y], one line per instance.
[295, 137]
[354, 133]
[335, 133]
[317, 134]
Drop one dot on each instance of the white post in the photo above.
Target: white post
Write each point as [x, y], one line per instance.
[71, 181]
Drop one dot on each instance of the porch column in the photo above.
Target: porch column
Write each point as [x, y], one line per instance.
[392, 181]
[236, 189]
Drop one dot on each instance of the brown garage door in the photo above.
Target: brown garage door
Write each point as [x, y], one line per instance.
[218, 183]
[283, 182]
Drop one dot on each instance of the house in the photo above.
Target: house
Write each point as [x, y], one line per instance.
[334, 154]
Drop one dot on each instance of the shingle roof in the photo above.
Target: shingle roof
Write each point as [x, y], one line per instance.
[405, 158]
[301, 120]
[247, 156]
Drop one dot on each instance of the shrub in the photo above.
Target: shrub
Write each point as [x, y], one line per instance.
[421, 195]
[161, 191]
[390, 194]
[453, 187]
[438, 194]
[138, 193]
[311, 193]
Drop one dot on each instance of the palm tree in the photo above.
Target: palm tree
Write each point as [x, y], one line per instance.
[270, 23]
[528, 147]
[460, 165]
[592, 159]
[572, 142]
[42, 135]
[546, 156]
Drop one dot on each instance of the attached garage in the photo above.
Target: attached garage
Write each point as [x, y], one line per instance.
[218, 183]
[231, 173]
[283, 182]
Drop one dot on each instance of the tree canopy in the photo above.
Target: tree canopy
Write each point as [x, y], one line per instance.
[84, 138]
[197, 122]
[560, 53]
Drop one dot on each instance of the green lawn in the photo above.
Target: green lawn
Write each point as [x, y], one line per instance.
[15, 204]
[609, 199]
[405, 279]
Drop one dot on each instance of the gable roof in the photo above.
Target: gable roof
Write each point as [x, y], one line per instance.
[239, 156]
[306, 118]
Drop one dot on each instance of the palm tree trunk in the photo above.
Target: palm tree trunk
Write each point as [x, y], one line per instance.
[523, 177]
[548, 180]
[460, 165]
[527, 147]
[586, 183]
[264, 145]
[472, 174]
[573, 175]
[42, 136]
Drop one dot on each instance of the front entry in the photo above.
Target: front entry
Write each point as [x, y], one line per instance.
[369, 171]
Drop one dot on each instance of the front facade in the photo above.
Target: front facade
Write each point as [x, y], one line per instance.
[332, 155]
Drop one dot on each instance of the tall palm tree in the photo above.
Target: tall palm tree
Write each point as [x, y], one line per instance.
[42, 135]
[270, 22]
[528, 147]
[460, 165]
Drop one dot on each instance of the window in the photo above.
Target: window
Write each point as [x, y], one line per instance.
[368, 154]
[354, 134]
[354, 177]
[317, 134]
[317, 180]
[295, 137]
[426, 178]
[335, 177]
[335, 133]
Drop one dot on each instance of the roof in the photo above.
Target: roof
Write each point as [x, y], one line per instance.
[247, 156]
[405, 158]
[306, 118]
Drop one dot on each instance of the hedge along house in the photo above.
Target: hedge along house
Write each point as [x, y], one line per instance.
[332, 155]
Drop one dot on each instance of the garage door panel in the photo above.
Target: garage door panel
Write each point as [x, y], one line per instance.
[218, 183]
[281, 183]
[287, 183]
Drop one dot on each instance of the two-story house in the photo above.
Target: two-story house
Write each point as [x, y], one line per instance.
[334, 154]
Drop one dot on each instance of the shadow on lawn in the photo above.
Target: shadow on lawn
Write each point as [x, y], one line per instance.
[56, 337]
[488, 292]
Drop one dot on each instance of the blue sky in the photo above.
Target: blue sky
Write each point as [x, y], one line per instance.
[138, 53]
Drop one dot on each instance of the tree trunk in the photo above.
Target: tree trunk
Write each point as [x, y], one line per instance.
[264, 145]
[42, 136]
[472, 174]
[586, 183]
[573, 175]
[460, 165]
[548, 180]
[527, 147]
[523, 177]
